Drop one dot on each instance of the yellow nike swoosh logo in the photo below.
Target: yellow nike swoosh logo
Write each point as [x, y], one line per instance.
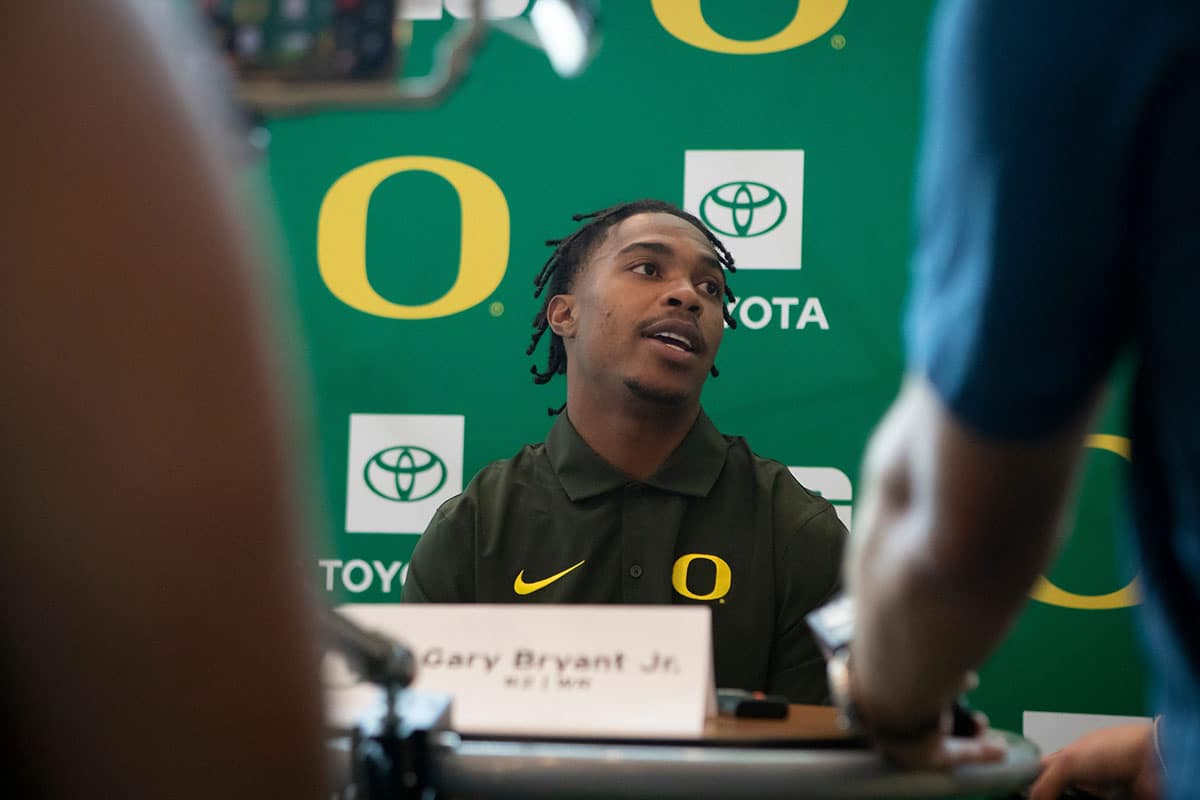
[521, 587]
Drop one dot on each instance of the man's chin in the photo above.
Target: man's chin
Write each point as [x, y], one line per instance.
[664, 396]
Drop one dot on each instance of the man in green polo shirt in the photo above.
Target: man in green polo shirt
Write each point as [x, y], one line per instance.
[635, 497]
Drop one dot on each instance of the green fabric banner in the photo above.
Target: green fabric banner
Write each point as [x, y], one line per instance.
[791, 128]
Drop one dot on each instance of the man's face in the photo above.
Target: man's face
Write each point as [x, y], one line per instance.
[645, 314]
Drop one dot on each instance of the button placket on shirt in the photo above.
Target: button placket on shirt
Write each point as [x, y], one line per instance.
[649, 524]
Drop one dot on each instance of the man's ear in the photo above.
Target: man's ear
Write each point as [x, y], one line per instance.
[560, 315]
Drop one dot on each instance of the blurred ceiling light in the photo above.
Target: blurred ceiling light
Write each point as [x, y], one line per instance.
[299, 71]
[566, 30]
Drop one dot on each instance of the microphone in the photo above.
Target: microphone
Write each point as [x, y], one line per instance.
[376, 658]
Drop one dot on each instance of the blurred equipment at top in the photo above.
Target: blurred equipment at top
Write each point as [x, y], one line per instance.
[296, 56]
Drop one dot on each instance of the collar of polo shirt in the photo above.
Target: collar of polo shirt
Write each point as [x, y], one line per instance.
[691, 470]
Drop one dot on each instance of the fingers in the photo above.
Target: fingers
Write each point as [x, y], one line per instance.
[1110, 757]
[945, 752]
[985, 748]
[1061, 773]
[1052, 782]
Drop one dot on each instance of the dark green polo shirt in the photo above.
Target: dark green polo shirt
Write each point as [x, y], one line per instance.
[716, 525]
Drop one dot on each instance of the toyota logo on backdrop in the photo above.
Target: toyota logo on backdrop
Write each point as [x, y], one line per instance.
[400, 468]
[743, 209]
[405, 473]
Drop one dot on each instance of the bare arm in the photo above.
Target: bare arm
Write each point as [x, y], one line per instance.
[952, 532]
[155, 625]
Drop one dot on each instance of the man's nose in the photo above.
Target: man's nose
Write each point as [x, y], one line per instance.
[682, 294]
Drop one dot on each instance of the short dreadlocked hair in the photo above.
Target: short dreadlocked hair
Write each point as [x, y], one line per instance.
[558, 274]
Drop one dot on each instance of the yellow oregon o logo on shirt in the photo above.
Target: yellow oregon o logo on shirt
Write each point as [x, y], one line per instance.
[721, 583]
[1047, 592]
[342, 237]
[684, 20]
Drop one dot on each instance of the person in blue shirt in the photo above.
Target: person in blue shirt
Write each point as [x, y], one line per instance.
[1058, 226]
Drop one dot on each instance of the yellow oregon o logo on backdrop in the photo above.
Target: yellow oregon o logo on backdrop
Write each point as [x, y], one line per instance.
[1127, 596]
[721, 583]
[684, 20]
[342, 237]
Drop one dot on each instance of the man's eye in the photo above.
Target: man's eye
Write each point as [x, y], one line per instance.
[712, 287]
[646, 269]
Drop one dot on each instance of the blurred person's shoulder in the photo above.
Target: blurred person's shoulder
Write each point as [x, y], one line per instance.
[789, 497]
[500, 480]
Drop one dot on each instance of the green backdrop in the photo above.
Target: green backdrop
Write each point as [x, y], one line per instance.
[849, 99]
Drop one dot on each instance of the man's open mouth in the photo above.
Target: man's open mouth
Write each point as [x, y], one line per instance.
[676, 333]
[675, 340]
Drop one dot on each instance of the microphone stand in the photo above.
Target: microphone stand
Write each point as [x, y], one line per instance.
[392, 764]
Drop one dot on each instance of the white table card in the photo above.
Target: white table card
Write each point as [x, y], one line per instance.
[547, 670]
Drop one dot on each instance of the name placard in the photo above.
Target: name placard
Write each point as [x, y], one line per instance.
[547, 670]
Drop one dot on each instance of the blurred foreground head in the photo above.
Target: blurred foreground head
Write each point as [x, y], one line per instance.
[155, 623]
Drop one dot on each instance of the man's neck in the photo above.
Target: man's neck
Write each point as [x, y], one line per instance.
[636, 437]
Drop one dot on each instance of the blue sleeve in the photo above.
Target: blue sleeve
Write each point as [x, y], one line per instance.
[1016, 311]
